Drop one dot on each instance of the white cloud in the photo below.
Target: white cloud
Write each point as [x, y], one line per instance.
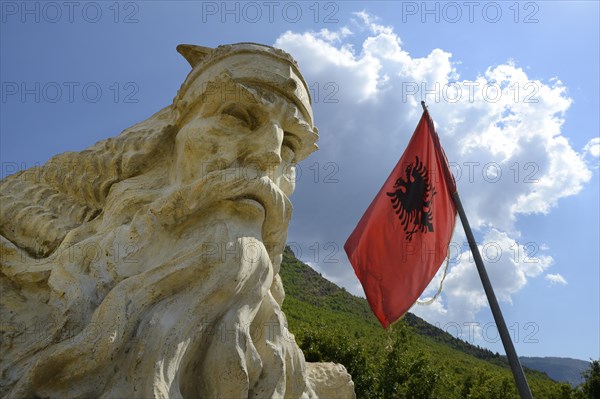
[358, 76]
[502, 132]
[367, 20]
[333, 36]
[591, 152]
[593, 147]
[509, 265]
[556, 279]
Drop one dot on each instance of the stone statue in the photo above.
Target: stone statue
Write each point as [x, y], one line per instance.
[147, 265]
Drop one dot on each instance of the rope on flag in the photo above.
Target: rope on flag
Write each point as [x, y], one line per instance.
[439, 290]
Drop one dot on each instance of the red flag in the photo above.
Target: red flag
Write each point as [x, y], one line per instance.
[402, 239]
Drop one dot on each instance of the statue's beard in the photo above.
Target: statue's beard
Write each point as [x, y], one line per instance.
[196, 314]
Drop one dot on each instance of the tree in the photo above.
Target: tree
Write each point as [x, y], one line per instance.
[591, 386]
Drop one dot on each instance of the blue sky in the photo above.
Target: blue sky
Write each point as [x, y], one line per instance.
[73, 76]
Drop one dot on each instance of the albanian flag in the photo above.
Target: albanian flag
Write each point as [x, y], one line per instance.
[402, 239]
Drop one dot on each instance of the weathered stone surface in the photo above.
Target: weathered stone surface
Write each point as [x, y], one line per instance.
[330, 380]
[147, 265]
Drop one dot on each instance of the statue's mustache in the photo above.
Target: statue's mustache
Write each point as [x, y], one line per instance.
[227, 185]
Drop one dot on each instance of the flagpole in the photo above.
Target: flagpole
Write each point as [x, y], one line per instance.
[511, 354]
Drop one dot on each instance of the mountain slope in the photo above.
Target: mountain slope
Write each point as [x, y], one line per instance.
[562, 369]
[410, 359]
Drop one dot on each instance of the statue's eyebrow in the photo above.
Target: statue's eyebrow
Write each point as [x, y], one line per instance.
[222, 92]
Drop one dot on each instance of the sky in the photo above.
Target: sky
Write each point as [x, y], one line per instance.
[513, 88]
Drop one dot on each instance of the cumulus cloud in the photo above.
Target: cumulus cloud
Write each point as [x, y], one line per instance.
[592, 152]
[333, 36]
[501, 129]
[509, 265]
[556, 279]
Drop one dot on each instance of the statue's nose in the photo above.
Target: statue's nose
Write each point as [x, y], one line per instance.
[264, 147]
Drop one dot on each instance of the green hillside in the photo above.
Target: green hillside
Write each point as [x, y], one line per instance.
[412, 359]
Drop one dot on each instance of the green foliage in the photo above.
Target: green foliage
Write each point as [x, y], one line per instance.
[590, 388]
[490, 386]
[321, 345]
[406, 374]
[411, 359]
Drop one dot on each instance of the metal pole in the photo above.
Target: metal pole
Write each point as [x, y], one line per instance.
[511, 354]
[513, 359]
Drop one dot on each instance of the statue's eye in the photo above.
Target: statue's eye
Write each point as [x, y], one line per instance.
[241, 114]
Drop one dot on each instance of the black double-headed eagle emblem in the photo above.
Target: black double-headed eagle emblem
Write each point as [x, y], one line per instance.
[411, 199]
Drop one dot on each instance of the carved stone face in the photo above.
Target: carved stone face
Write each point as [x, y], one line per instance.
[252, 130]
[246, 135]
